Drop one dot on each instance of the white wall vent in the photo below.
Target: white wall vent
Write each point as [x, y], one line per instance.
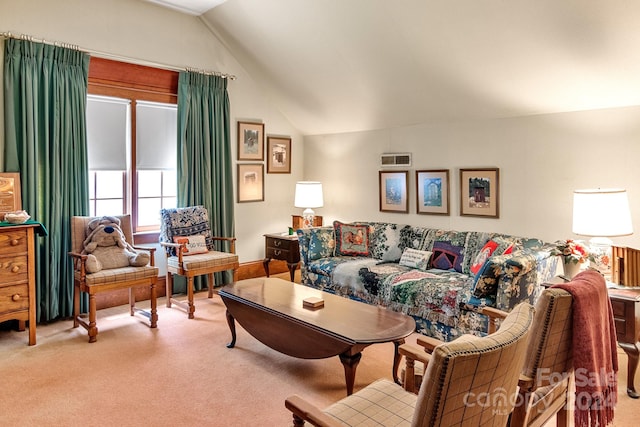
[395, 159]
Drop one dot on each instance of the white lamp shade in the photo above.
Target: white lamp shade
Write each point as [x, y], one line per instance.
[308, 195]
[601, 213]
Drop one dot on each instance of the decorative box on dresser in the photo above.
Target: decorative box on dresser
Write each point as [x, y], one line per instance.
[18, 276]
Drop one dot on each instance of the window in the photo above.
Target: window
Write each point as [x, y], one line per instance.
[131, 136]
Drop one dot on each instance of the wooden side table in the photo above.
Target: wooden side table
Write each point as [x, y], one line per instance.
[282, 247]
[626, 313]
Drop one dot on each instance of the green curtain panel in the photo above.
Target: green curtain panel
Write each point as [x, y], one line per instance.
[204, 155]
[45, 89]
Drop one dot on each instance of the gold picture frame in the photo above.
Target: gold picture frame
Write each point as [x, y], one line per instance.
[250, 141]
[278, 154]
[10, 195]
[393, 191]
[480, 192]
[250, 182]
[432, 192]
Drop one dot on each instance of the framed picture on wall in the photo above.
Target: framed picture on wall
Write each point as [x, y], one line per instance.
[250, 141]
[10, 196]
[250, 182]
[393, 191]
[278, 154]
[432, 192]
[480, 192]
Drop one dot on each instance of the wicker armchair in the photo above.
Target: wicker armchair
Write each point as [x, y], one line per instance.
[469, 381]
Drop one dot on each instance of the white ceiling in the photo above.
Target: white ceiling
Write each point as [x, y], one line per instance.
[191, 7]
[347, 65]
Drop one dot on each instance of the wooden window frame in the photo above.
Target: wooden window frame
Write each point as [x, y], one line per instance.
[136, 83]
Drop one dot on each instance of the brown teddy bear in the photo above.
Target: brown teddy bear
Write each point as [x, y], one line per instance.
[107, 248]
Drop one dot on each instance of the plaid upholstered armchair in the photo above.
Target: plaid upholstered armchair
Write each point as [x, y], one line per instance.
[469, 381]
[108, 279]
[185, 234]
[546, 380]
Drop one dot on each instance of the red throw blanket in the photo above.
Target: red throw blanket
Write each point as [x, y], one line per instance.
[595, 358]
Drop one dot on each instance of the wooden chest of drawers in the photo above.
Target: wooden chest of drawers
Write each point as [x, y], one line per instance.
[282, 247]
[17, 277]
[626, 314]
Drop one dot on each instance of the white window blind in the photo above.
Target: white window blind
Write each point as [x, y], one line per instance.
[156, 135]
[108, 131]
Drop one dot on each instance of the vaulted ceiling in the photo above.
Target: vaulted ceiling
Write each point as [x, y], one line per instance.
[347, 65]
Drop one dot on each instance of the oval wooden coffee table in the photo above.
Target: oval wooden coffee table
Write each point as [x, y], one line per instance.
[271, 310]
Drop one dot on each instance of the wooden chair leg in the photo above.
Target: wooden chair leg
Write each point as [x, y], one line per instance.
[212, 284]
[132, 301]
[154, 306]
[410, 375]
[76, 305]
[169, 288]
[297, 421]
[93, 330]
[192, 307]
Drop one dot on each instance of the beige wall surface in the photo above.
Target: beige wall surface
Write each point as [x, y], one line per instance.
[542, 159]
[145, 33]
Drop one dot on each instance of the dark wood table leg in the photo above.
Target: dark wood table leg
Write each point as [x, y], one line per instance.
[632, 352]
[350, 363]
[265, 264]
[232, 326]
[292, 270]
[397, 358]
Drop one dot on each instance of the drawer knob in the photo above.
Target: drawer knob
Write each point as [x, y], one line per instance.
[16, 297]
[15, 242]
[15, 269]
[277, 243]
[277, 253]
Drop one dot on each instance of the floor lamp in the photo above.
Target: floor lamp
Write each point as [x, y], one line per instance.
[601, 214]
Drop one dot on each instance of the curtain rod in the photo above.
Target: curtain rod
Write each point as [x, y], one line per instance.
[106, 55]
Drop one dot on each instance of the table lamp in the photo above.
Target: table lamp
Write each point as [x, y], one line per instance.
[600, 214]
[308, 196]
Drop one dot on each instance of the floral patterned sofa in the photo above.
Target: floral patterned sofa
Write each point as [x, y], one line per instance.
[442, 278]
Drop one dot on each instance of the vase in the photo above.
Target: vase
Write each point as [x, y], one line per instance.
[571, 269]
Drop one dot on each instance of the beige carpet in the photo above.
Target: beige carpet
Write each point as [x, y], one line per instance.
[178, 374]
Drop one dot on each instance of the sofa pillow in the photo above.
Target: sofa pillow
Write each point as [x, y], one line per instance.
[415, 258]
[486, 281]
[495, 246]
[351, 239]
[321, 243]
[193, 244]
[446, 256]
[384, 241]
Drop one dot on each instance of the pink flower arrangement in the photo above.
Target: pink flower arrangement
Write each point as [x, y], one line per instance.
[571, 251]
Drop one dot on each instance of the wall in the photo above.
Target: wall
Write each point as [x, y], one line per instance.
[542, 159]
[147, 33]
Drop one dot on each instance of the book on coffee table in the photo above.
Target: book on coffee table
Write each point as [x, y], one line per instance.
[313, 302]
